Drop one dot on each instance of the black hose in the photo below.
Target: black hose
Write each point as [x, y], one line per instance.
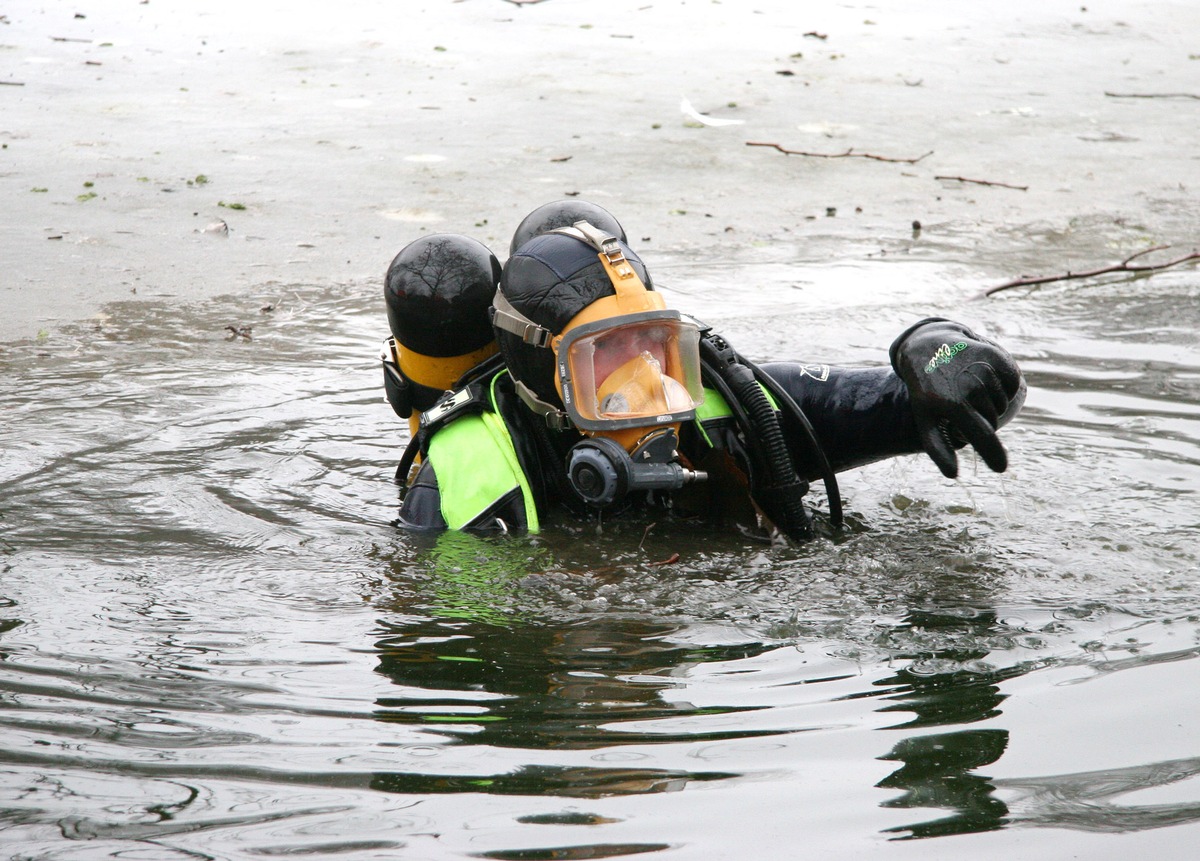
[828, 477]
[406, 462]
[713, 378]
[781, 491]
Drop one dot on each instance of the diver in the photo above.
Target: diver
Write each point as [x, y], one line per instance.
[560, 385]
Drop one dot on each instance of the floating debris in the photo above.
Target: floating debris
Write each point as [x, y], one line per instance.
[690, 111]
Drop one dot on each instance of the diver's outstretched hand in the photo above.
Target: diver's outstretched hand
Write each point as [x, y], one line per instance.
[963, 388]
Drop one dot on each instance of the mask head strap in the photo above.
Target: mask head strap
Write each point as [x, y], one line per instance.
[508, 318]
[624, 279]
[628, 286]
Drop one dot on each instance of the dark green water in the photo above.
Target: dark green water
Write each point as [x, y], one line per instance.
[214, 645]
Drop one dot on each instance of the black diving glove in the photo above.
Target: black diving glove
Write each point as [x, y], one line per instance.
[962, 388]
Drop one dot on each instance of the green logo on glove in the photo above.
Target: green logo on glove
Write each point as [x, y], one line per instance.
[945, 355]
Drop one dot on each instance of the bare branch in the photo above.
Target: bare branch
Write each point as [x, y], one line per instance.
[984, 182]
[1126, 265]
[850, 153]
[1151, 95]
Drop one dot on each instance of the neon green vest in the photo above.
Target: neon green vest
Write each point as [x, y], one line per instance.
[476, 465]
[715, 407]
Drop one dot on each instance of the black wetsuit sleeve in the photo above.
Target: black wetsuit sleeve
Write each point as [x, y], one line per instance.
[859, 415]
[421, 509]
[422, 506]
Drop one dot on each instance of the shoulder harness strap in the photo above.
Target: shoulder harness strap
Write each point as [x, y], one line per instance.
[472, 398]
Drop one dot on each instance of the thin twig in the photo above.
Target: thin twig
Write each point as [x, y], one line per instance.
[850, 153]
[1151, 95]
[984, 182]
[645, 533]
[1125, 265]
[13, 83]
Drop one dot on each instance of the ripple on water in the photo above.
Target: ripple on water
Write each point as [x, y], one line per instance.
[211, 637]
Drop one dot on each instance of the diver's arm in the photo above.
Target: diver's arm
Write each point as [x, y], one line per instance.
[422, 506]
[421, 509]
[947, 387]
[859, 415]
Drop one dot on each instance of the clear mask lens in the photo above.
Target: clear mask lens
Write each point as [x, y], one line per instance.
[644, 369]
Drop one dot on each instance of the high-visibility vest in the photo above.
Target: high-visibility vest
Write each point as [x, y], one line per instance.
[477, 465]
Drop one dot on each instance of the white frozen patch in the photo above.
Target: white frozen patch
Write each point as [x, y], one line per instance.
[410, 215]
[828, 129]
[426, 158]
[689, 111]
[1013, 112]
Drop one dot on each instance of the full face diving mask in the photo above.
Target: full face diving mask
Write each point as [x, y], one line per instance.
[631, 371]
[628, 372]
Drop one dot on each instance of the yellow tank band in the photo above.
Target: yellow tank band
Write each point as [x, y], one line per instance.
[440, 372]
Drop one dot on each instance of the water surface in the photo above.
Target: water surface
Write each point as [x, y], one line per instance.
[215, 644]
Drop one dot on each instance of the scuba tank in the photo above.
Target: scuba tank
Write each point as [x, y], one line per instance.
[438, 290]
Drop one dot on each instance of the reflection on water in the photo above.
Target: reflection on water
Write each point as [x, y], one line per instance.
[952, 685]
[214, 644]
[568, 688]
[1085, 801]
[938, 771]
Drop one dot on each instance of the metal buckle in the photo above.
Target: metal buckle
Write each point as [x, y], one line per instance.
[526, 330]
[606, 244]
[556, 419]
